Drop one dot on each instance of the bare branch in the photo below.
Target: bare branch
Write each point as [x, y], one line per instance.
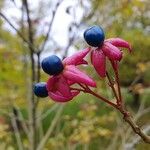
[68, 46]
[24, 126]
[136, 139]
[44, 115]
[71, 38]
[33, 140]
[17, 31]
[16, 131]
[135, 127]
[50, 129]
[50, 25]
[30, 30]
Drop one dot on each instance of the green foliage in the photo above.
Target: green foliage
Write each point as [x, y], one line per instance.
[81, 126]
[85, 122]
[128, 20]
[12, 75]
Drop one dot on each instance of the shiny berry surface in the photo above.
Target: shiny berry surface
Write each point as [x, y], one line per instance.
[94, 36]
[52, 65]
[40, 89]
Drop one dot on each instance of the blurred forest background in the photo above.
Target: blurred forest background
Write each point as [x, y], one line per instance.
[28, 34]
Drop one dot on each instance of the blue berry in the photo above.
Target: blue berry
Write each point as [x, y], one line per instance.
[94, 36]
[40, 89]
[52, 65]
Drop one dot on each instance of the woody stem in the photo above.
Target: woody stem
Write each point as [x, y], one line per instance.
[126, 115]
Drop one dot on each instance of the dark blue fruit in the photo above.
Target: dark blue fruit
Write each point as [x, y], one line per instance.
[52, 65]
[40, 89]
[94, 36]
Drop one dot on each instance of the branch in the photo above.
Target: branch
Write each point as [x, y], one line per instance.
[68, 46]
[126, 115]
[16, 131]
[38, 67]
[136, 139]
[50, 129]
[44, 115]
[13, 1]
[17, 31]
[39, 124]
[30, 30]
[88, 90]
[135, 127]
[50, 25]
[71, 37]
[118, 82]
[33, 139]
[112, 86]
[24, 126]
[141, 111]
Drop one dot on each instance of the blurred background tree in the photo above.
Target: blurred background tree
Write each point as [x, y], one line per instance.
[129, 20]
[80, 124]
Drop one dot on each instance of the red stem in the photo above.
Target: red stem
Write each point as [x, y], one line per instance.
[88, 90]
[118, 85]
[77, 89]
[120, 102]
[103, 99]
[112, 87]
[126, 115]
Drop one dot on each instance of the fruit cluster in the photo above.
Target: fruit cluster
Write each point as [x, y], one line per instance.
[65, 73]
[51, 65]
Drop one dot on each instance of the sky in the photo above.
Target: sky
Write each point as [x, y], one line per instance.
[61, 21]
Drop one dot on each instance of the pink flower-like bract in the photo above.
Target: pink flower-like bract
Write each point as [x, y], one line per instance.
[58, 86]
[109, 49]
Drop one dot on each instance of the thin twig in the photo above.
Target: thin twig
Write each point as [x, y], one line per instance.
[136, 139]
[39, 123]
[136, 117]
[17, 31]
[136, 128]
[117, 81]
[38, 67]
[118, 85]
[32, 102]
[30, 30]
[50, 25]
[44, 115]
[16, 131]
[38, 73]
[112, 87]
[50, 129]
[88, 90]
[126, 115]
[68, 46]
[24, 126]
[77, 89]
